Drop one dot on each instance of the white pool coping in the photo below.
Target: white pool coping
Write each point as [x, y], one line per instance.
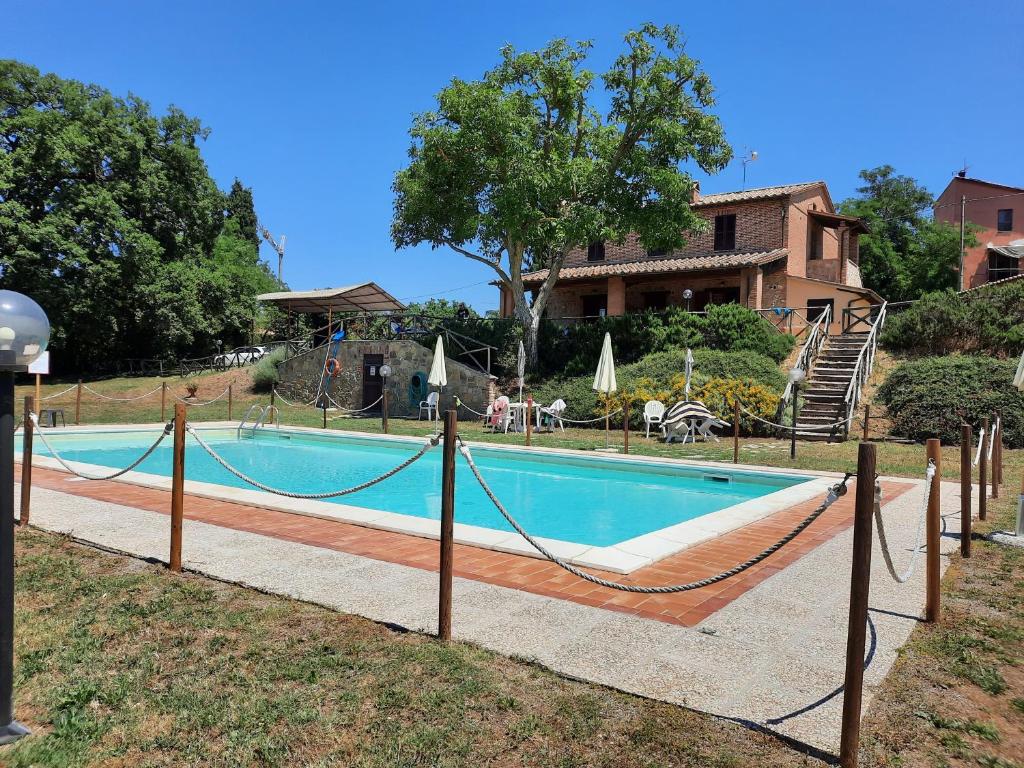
[622, 558]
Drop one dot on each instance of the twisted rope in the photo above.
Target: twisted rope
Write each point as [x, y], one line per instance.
[100, 395]
[350, 411]
[992, 440]
[839, 489]
[290, 404]
[58, 394]
[186, 401]
[901, 578]
[326, 495]
[53, 452]
[589, 421]
[818, 428]
[459, 403]
[981, 444]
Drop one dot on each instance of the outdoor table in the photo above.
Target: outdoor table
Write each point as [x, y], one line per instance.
[518, 411]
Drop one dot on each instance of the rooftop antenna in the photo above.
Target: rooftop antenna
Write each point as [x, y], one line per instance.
[962, 173]
[749, 157]
[279, 248]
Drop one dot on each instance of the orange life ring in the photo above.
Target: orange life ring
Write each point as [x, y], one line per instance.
[333, 366]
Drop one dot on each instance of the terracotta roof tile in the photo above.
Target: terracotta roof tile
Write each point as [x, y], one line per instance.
[762, 193]
[662, 266]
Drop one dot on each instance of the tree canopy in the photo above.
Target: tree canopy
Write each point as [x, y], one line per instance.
[907, 252]
[110, 220]
[518, 168]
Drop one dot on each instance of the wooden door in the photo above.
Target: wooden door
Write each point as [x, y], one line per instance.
[373, 382]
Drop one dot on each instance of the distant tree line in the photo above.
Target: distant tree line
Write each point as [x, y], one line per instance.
[110, 219]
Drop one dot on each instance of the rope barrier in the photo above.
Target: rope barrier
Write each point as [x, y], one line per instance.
[839, 489]
[460, 404]
[817, 428]
[981, 444]
[118, 473]
[992, 440]
[58, 394]
[589, 421]
[326, 495]
[188, 402]
[902, 578]
[350, 411]
[290, 404]
[100, 395]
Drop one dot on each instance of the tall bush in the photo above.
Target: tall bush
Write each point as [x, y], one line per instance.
[933, 396]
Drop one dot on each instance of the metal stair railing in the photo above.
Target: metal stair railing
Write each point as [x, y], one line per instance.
[863, 367]
[812, 347]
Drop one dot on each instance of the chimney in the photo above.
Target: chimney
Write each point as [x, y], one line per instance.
[695, 192]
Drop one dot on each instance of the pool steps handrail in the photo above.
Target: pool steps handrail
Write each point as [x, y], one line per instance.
[264, 413]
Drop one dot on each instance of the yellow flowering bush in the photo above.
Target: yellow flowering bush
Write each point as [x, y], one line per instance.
[720, 395]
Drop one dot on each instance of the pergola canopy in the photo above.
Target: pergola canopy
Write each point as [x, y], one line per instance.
[365, 297]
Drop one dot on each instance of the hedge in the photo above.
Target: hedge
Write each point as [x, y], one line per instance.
[933, 396]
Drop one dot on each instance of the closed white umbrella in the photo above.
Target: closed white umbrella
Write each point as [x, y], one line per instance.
[438, 375]
[1018, 378]
[604, 379]
[689, 373]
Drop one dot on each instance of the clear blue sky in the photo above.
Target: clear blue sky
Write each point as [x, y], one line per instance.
[310, 103]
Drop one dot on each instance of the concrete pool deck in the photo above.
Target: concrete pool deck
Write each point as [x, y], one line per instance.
[769, 654]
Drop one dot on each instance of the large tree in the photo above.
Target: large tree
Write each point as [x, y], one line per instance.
[240, 208]
[907, 253]
[110, 219]
[520, 167]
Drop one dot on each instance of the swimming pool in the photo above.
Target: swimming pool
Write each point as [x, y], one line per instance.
[589, 503]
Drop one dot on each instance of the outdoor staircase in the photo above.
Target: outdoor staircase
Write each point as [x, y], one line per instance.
[824, 392]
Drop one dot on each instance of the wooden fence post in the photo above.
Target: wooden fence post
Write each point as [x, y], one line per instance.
[983, 473]
[867, 421]
[273, 392]
[999, 453]
[966, 487]
[163, 401]
[625, 425]
[384, 409]
[177, 487]
[444, 607]
[26, 461]
[860, 587]
[78, 404]
[231, 399]
[529, 419]
[325, 413]
[933, 607]
[736, 431]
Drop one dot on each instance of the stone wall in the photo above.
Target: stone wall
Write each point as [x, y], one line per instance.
[300, 377]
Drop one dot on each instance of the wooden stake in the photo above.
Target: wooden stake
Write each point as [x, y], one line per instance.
[966, 487]
[983, 473]
[860, 587]
[625, 425]
[933, 609]
[26, 461]
[384, 409]
[736, 431]
[78, 404]
[999, 453]
[273, 392]
[529, 418]
[39, 388]
[177, 487]
[867, 421]
[997, 439]
[163, 401]
[325, 412]
[444, 606]
[231, 397]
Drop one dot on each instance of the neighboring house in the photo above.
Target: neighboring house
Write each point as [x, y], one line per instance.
[997, 213]
[774, 247]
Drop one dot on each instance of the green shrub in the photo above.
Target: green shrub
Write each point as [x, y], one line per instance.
[264, 373]
[933, 396]
[989, 321]
[735, 328]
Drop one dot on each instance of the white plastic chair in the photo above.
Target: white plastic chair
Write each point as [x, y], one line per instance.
[501, 414]
[554, 412]
[654, 414]
[429, 405]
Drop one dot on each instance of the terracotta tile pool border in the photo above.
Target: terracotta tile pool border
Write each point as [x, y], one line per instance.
[510, 570]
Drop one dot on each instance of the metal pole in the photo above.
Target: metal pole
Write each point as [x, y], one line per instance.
[78, 404]
[933, 607]
[529, 418]
[444, 606]
[26, 461]
[384, 408]
[177, 487]
[966, 486]
[983, 473]
[860, 586]
[997, 426]
[736, 431]
[10, 730]
[792, 432]
[963, 211]
[231, 397]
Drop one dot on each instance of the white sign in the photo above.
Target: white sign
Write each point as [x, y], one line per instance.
[41, 364]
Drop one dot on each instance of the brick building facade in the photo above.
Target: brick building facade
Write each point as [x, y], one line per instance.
[763, 248]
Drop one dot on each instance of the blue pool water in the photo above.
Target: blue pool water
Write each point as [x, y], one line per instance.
[593, 501]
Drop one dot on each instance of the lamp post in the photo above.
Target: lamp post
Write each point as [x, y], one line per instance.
[24, 333]
[687, 294]
[796, 375]
[385, 371]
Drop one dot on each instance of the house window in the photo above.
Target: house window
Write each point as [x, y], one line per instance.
[725, 232]
[1004, 220]
[595, 251]
[815, 235]
[595, 305]
[815, 308]
[654, 253]
[1001, 267]
[655, 299]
